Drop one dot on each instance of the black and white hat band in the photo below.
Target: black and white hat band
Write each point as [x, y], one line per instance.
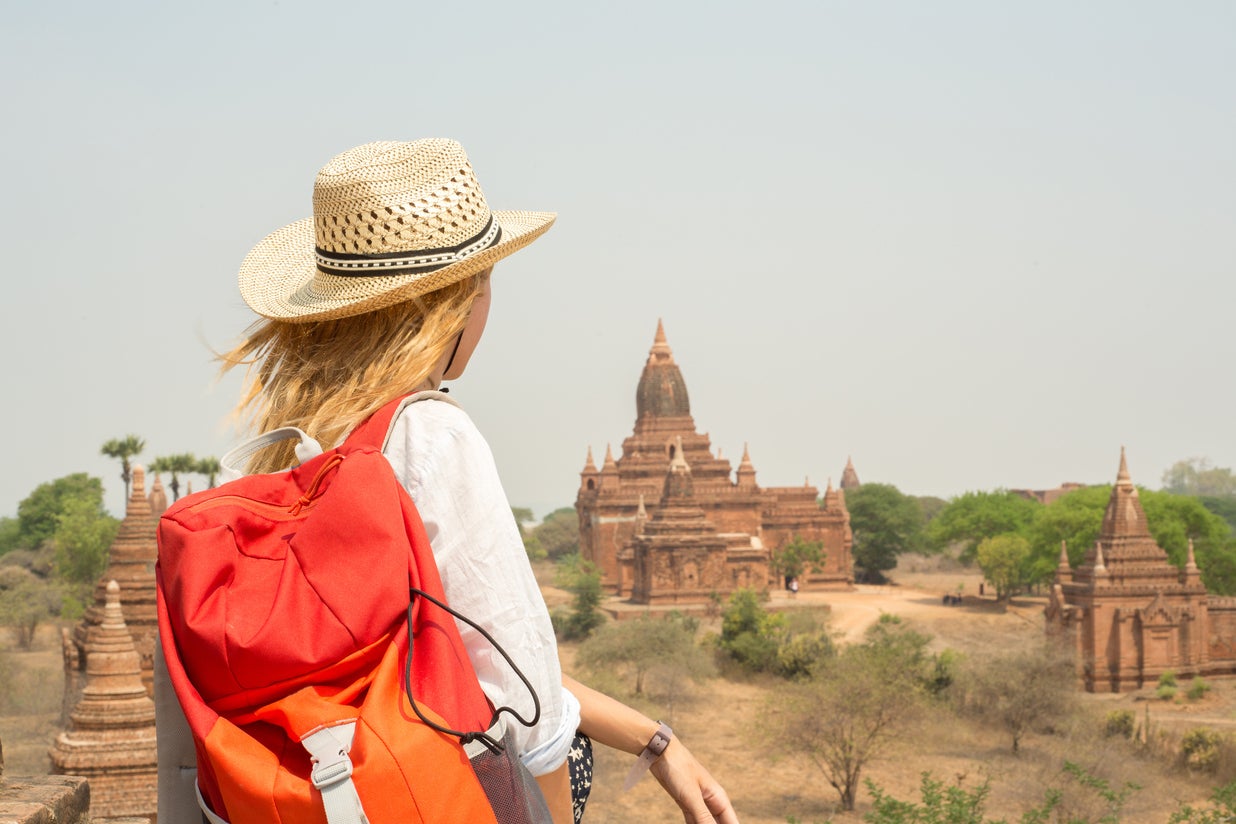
[399, 263]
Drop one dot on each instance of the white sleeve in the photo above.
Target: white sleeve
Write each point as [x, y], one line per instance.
[445, 464]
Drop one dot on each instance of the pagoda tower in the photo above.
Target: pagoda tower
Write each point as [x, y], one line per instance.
[1126, 611]
[157, 497]
[849, 477]
[111, 734]
[608, 500]
[131, 564]
[751, 520]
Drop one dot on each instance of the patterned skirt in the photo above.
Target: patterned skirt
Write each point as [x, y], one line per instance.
[579, 761]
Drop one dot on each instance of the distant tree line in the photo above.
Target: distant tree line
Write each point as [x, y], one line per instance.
[54, 551]
[1015, 540]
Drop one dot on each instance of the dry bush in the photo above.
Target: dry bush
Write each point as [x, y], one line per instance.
[1019, 692]
[25, 690]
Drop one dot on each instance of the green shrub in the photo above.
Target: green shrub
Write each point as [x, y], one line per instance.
[799, 656]
[1119, 723]
[1197, 689]
[1200, 748]
[1165, 692]
[1168, 679]
[749, 633]
[582, 579]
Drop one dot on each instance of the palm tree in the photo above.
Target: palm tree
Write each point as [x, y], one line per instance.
[175, 464]
[124, 448]
[210, 468]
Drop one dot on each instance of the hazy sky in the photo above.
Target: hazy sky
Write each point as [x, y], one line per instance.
[972, 244]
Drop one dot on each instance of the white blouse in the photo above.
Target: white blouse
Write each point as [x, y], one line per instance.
[448, 469]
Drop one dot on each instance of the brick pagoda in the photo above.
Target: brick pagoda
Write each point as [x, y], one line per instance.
[1129, 615]
[620, 507]
[111, 735]
[131, 564]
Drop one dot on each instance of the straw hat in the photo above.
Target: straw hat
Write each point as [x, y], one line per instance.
[391, 221]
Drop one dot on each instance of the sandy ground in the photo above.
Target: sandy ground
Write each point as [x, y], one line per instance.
[721, 726]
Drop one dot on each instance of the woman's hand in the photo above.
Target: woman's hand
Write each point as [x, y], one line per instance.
[614, 724]
[697, 793]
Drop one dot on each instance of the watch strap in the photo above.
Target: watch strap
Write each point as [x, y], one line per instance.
[652, 751]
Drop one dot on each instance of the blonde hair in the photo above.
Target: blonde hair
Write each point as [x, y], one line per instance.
[327, 377]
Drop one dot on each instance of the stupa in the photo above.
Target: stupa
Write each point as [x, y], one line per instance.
[111, 734]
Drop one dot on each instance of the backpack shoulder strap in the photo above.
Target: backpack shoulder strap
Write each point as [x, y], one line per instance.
[376, 430]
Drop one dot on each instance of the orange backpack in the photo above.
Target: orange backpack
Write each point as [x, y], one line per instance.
[308, 641]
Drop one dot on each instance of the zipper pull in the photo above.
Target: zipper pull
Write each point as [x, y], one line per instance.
[312, 492]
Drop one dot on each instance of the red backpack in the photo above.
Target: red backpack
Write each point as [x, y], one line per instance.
[308, 641]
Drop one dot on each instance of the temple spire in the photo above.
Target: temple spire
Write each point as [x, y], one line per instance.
[1099, 567]
[1122, 476]
[1191, 561]
[832, 497]
[157, 497]
[589, 464]
[679, 461]
[746, 471]
[849, 477]
[609, 465]
[660, 345]
[1063, 570]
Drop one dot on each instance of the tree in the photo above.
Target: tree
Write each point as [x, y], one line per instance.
[82, 539]
[210, 468]
[750, 634]
[1004, 560]
[176, 465]
[1019, 691]
[558, 533]
[1199, 477]
[975, 516]
[885, 523]
[38, 515]
[1077, 519]
[1225, 508]
[931, 507]
[582, 579]
[658, 655]
[796, 557]
[523, 516]
[10, 535]
[25, 602]
[845, 717]
[124, 449]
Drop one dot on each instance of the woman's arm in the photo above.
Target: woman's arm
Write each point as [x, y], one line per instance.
[614, 724]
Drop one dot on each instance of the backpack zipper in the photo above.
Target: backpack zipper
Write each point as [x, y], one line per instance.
[274, 511]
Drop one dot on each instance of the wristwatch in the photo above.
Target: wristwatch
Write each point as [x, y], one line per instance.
[652, 751]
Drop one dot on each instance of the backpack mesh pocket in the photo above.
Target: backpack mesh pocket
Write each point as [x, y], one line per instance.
[512, 791]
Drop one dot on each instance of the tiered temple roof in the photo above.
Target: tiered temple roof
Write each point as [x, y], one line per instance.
[131, 564]
[111, 734]
[664, 435]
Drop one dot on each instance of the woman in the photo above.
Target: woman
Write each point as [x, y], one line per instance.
[385, 291]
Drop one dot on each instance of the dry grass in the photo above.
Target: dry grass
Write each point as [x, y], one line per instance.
[721, 725]
[31, 689]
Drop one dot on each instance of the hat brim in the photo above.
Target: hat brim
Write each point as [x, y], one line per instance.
[280, 280]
